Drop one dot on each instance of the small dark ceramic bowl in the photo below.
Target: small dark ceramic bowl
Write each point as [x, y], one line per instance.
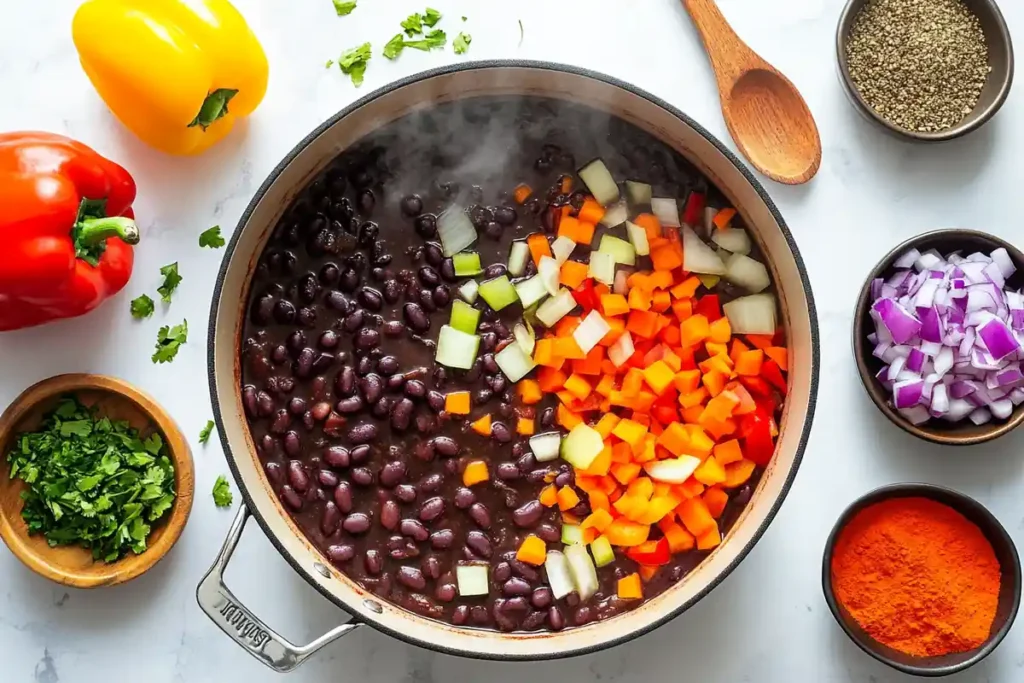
[965, 432]
[997, 87]
[1009, 590]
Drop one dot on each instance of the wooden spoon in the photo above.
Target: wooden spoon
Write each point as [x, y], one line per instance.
[765, 113]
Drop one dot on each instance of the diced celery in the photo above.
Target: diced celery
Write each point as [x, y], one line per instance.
[602, 267]
[518, 256]
[556, 308]
[620, 250]
[464, 318]
[602, 551]
[638, 238]
[582, 570]
[572, 534]
[531, 291]
[498, 293]
[456, 349]
[467, 264]
[514, 362]
[639, 193]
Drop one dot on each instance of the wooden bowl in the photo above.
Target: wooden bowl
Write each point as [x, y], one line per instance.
[965, 432]
[993, 94]
[1009, 588]
[73, 565]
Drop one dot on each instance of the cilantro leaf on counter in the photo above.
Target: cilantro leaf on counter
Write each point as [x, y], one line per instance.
[211, 238]
[171, 281]
[464, 18]
[142, 307]
[343, 8]
[431, 16]
[204, 435]
[353, 62]
[329, 63]
[394, 46]
[435, 38]
[92, 481]
[169, 341]
[222, 492]
[461, 43]
[413, 24]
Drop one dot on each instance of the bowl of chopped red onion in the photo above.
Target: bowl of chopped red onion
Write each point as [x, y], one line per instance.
[939, 336]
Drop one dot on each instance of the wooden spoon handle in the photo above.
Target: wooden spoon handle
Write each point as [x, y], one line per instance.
[730, 56]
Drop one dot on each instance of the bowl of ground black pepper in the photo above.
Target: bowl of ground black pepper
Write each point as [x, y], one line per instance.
[922, 578]
[928, 70]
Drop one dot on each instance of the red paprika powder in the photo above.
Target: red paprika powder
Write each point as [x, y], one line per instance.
[917, 576]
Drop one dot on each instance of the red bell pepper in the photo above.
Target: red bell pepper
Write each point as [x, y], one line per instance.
[756, 432]
[586, 296]
[651, 553]
[65, 228]
[693, 214]
[709, 307]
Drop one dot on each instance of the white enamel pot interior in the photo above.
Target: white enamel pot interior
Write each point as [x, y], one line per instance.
[509, 78]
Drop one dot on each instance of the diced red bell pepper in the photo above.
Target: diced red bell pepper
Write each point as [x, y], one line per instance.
[708, 306]
[585, 295]
[652, 553]
[693, 214]
[756, 431]
[771, 371]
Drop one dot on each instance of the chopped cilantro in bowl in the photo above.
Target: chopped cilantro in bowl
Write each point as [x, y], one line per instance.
[92, 481]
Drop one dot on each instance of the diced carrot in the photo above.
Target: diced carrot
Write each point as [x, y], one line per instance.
[601, 464]
[631, 432]
[694, 398]
[633, 382]
[567, 325]
[529, 391]
[639, 299]
[700, 443]
[780, 355]
[549, 496]
[721, 407]
[457, 403]
[614, 304]
[723, 217]
[694, 330]
[642, 323]
[714, 348]
[475, 473]
[647, 572]
[625, 472]
[737, 348]
[544, 353]
[650, 223]
[599, 500]
[532, 551]
[692, 415]
[618, 326]
[606, 424]
[666, 258]
[482, 425]
[760, 341]
[630, 588]
[566, 417]
[522, 193]
[627, 505]
[568, 227]
[694, 515]
[721, 331]
[749, 363]
[598, 519]
[690, 488]
[679, 539]
[606, 386]
[524, 426]
[674, 439]
[714, 382]
[686, 381]
[591, 211]
[572, 274]
[658, 376]
[585, 233]
[661, 301]
[711, 539]
[622, 452]
[550, 380]
[539, 246]
[660, 507]
[567, 348]
[567, 498]
[627, 534]
[579, 387]
[737, 473]
[591, 365]
[715, 498]
[728, 452]
[642, 487]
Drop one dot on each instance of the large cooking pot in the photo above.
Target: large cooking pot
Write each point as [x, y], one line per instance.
[227, 317]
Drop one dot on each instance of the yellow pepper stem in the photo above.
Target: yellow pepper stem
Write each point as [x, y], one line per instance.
[214, 107]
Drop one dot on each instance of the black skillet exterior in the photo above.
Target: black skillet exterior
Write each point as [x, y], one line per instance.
[1005, 551]
[548, 66]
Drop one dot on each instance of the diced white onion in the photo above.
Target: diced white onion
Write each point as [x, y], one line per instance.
[615, 215]
[562, 249]
[582, 446]
[531, 291]
[556, 308]
[582, 570]
[470, 291]
[639, 193]
[556, 566]
[620, 250]
[525, 337]
[638, 238]
[698, 257]
[548, 270]
[514, 362]
[472, 579]
[591, 331]
[600, 182]
[667, 211]
[455, 229]
[672, 470]
[748, 273]
[456, 349]
[622, 350]
[735, 240]
[545, 447]
[602, 267]
[754, 314]
[518, 256]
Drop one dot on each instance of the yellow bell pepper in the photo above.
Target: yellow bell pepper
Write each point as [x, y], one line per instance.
[177, 73]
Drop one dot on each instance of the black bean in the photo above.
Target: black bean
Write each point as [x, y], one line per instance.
[366, 201]
[464, 498]
[402, 414]
[434, 255]
[435, 399]
[357, 523]
[507, 471]
[389, 514]
[461, 614]
[445, 446]
[285, 385]
[446, 592]
[442, 540]
[291, 497]
[262, 310]
[323, 362]
[429, 276]
[337, 456]
[448, 270]
[372, 560]
[361, 476]
[442, 295]
[548, 533]
[393, 328]
[307, 316]
[250, 403]
[281, 422]
[503, 621]
[349, 280]
[541, 597]
[415, 389]
[501, 433]
[392, 474]
[388, 365]
[416, 318]
[372, 387]
[534, 620]
[297, 476]
[480, 515]
[424, 450]
[327, 478]
[340, 554]
[480, 216]
[363, 433]
[405, 493]
[502, 572]
[505, 215]
[345, 382]
[354, 321]
[411, 577]
[264, 404]
[371, 299]
[364, 366]
[426, 226]
[524, 570]
[432, 482]
[431, 567]
[366, 339]
[352, 404]
[284, 312]
[493, 230]
[555, 618]
[412, 205]
[584, 615]
[479, 543]
[414, 529]
[432, 509]
[516, 605]
[564, 479]
[528, 514]
[343, 497]
[330, 518]
[426, 299]
[336, 300]
[488, 341]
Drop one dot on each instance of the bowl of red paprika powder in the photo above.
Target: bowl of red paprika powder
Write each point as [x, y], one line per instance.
[922, 578]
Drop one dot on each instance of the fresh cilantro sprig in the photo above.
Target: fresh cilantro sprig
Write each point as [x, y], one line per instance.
[222, 492]
[431, 16]
[142, 307]
[171, 281]
[204, 434]
[92, 481]
[353, 62]
[211, 238]
[413, 24]
[343, 8]
[435, 38]
[461, 43]
[394, 46]
[169, 341]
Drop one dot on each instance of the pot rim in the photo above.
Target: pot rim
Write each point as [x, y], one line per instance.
[542, 66]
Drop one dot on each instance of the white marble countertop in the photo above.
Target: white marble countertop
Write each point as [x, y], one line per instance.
[768, 622]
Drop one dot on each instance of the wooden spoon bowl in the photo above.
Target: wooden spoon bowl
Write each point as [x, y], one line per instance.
[73, 565]
[764, 112]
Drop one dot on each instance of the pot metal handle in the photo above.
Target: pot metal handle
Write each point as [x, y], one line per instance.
[244, 627]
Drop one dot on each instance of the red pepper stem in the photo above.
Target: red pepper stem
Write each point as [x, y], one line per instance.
[91, 231]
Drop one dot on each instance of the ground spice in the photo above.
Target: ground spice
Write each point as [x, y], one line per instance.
[920, 64]
[917, 576]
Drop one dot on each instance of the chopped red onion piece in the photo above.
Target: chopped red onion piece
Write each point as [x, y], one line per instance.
[907, 393]
[915, 361]
[997, 338]
[1017, 396]
[940, 400]
[907, 260]
[1003, 261]
[1002, 408]
[958, 410]
[896, 367]
[902, 325]
[981, 416]
[916, 414]
[929, 260]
